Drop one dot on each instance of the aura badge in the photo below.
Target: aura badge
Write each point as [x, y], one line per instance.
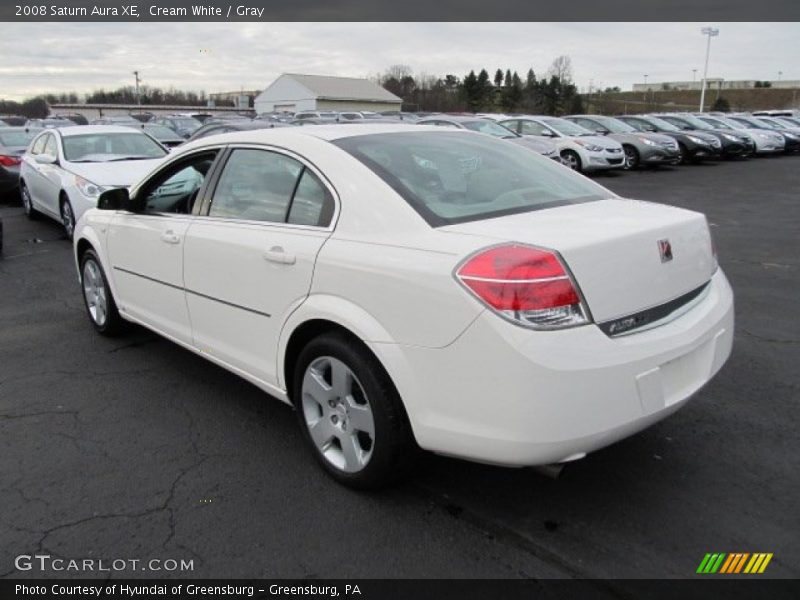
[734, 563]
[665, 250]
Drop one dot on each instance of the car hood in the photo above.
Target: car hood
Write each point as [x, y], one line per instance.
[123, 173]
[638, 136]
[598, 140]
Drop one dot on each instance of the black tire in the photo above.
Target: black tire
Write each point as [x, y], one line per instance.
[572, 160]
[632, 159]
[682, 154]
[67, 216]
[113, 324]
[27, 203]
[393, 449]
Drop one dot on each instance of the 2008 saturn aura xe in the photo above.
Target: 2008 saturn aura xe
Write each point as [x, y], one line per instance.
[410, 287]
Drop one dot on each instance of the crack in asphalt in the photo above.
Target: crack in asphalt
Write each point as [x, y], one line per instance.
[768, 339]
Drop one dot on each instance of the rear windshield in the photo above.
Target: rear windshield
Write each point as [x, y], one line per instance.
[17, 137]
[455, 177]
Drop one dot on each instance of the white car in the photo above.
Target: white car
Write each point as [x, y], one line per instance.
[65, 170]
[408, 287]
[581, 150]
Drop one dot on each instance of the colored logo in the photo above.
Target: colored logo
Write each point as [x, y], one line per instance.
[734, 563]
[665, 250]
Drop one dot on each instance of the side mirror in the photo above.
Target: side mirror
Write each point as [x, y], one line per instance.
[45, 159]
[602, 131]
[116, 199]
[548, 133]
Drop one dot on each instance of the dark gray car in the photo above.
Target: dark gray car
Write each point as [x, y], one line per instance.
[489, 127]
[641, 148]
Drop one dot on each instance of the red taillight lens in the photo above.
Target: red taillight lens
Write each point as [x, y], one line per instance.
[525, 284]
[9, 161]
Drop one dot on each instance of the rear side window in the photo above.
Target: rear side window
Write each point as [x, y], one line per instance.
[451, 177]
[312, 203]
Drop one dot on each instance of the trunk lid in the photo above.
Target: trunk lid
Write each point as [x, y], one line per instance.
[614, 250]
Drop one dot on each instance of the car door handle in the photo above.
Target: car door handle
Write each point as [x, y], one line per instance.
[278, 255]
[170, 237]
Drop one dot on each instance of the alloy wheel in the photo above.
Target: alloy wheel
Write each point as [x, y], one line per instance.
[338, 414]
[94, 291]
[631, 160]
[571, 160]
[68, 218]
[26, 199]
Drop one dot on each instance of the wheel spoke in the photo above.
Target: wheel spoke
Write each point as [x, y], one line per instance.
[360, 417]
[101, 313]
[321, 433]
[315, 387]
[352, 453]
[341, 378]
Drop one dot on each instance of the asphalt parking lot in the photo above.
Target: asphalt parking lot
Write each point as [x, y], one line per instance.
[136, 448]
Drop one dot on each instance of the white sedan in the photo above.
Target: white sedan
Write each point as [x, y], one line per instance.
[66, 169]
[405, 286]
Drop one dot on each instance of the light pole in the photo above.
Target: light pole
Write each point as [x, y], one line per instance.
[780, 73]
[138, 98]
[694, 75]
[710, 32]
[645, 81]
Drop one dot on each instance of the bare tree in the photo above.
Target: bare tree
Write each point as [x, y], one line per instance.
[561, 68]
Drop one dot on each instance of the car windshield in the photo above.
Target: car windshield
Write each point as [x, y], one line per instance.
[770, 123]
[614, 125]
[450, 177]
[187, 122]
[17, 137]
[161, 133]
[717, 123]
[104, 147]
[694, 121]
[751, 123]
[789, 122]
[489, 127]
[566, 127]
[661, 124]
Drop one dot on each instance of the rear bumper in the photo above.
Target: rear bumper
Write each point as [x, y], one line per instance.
[506, 395]
[9, 178]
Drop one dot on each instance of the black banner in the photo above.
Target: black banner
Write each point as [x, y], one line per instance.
[730, 588]
[402, 10]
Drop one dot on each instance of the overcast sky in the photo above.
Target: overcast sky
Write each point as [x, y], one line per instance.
[81, 57]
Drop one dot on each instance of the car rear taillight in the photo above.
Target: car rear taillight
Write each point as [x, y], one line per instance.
[9, 161]
[527, 285]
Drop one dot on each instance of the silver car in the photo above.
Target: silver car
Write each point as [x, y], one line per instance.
[640, 148]
[489, 127]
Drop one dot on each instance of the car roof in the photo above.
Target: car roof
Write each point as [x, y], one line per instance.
[456, 118]
[323, 132]
[88, 129]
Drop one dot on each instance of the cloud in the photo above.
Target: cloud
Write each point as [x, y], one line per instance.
[81, 57]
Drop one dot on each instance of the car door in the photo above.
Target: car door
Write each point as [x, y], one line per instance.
[44, 182]
[249, 259]
[146, 247]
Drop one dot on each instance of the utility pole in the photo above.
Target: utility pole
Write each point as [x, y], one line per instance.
[710, 32]
[138, 98]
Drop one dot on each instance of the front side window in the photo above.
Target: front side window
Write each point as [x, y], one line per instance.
[450, 177]
[534, 128]
[50, 146]
[38, 145]
[489, 128]
[176, 189]
[256, 185]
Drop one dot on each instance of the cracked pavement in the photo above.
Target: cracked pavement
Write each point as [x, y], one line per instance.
[136, 448]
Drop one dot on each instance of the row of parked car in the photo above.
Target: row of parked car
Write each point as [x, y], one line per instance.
[61, 167]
